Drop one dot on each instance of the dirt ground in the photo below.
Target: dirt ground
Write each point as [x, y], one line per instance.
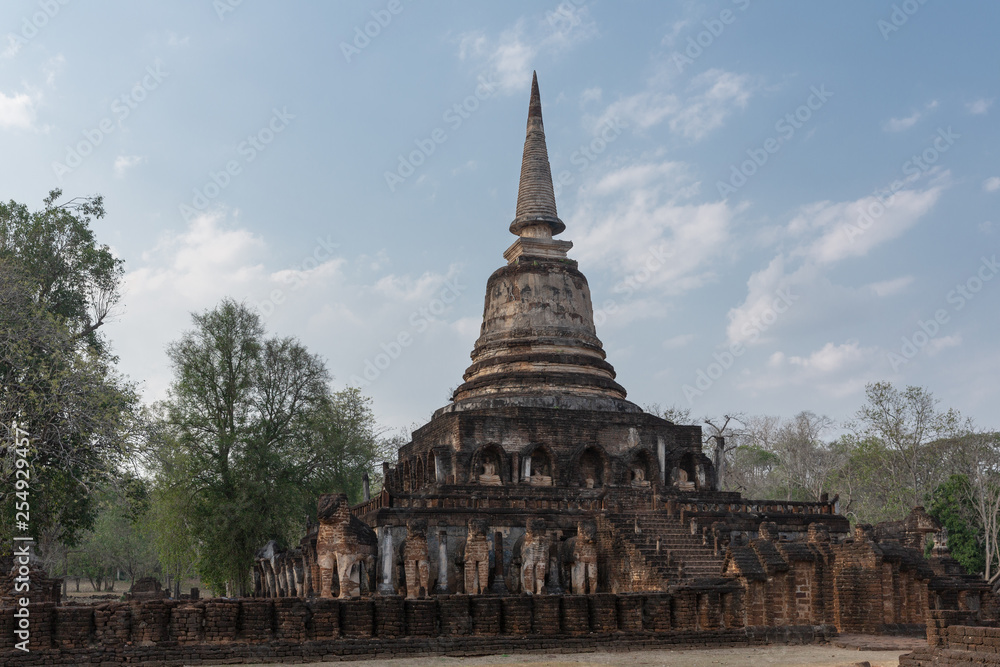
[773, 656]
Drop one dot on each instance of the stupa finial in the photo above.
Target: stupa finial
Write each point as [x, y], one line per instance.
[536, 200]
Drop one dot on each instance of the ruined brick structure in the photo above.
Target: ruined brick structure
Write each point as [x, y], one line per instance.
[540, 479]
[540, 510]
[540, 440]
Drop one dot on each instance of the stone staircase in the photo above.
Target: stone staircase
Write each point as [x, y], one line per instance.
[681, 558]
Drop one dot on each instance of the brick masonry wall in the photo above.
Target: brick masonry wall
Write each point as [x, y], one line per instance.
[956, 645]
[164, 632]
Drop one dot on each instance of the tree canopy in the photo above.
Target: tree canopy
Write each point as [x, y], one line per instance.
[250, 435]
[58, 286]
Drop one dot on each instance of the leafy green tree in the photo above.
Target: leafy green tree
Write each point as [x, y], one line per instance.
[172, 529]
[121, 538]
[869, 494]
[950, 505]
[750, 471]
[251, 434]
[906, 422]
[58, 286]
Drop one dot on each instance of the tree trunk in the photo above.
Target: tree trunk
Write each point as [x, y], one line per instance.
[720, 462]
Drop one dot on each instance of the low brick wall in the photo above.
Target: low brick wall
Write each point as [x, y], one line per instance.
[165, 632]
[956, 645]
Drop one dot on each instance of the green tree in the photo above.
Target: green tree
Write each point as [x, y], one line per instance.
[950, 505]
[252, 434]
[869, 494]
[906, 422]
[120, 540]
[58, 286]
[171, 527]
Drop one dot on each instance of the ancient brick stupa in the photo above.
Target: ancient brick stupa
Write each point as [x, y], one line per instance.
[540, 406]
[540, 478]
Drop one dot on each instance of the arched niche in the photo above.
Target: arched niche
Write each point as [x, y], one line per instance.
[538, 465]
[641, 469]
[592, 467]
[418, 474]
[489, 466]
[685, 472]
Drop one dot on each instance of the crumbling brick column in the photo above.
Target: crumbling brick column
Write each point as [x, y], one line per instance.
[415, 559]
[477, 557]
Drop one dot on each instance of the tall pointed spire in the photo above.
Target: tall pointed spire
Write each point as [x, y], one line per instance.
[536, 200]
[537, 346]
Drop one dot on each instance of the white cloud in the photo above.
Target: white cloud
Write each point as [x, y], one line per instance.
[678, 341]
[472, 45]
[834, 370]
[642, 110]
[17, 110]
[636, 222]
[830, 359]
[671, 35]
[52, 67]
[939, 343]
[176, 41]
[511, 55]
[512, 59]
[329, 301]
[992, 184]
[470, 165]
[852, 229]
[891, 287]
[820, 235]
[13, 46]
[591, 95]
[201, 264]
[125, 162]
[709, 100]
[900, 124]
[980, 106]
[906, 122]
[771, 293]
[716, 94]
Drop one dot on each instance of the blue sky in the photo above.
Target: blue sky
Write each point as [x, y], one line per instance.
[774, 203]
